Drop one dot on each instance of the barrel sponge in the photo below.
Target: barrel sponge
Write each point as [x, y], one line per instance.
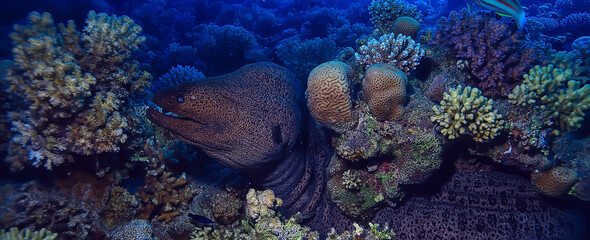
[329, 93]
[556, 181]
[384, 89]
[406, 26]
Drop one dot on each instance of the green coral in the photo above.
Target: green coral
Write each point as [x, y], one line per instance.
[73, 85]
[557, 93]
[384, 12]
[466, 111]
[26, 234]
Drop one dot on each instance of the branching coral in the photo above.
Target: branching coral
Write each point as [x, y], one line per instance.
[26, 234]
[557, 93]
[465, 111]
[73, 84]
[400, 51]
[385, 12]
[493, 49]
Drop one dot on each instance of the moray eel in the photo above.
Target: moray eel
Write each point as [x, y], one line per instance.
[255, 120]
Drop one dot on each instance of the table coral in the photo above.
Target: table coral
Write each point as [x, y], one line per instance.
[398, 50]
[329, 93]
[384, 88]
[385, 12]
[73, 84]
[559, 95]
[465, 111]
[495, 50]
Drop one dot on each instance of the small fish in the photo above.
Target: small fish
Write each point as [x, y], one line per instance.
[200, 219]
[506, 8]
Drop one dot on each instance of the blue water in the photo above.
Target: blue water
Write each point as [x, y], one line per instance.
[87, 150]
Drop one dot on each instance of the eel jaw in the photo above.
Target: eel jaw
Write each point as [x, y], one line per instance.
[178, 125]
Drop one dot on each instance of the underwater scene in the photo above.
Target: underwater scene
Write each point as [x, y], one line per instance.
[294, 119]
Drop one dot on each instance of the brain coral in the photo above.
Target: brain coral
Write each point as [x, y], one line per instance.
[464, 110]
[398, 50]
[556, 181]
[385, 90]
[407, 26]
[329, 93]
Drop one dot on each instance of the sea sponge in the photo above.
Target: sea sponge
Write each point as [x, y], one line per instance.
[384, 89]
[329, 93]
[398, 50]
[556, 181]
[407, 26]
[465, 110]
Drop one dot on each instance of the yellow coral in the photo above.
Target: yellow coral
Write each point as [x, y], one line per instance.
[556, 181]
[554, 90]
[465, 110]
[26, 234]
[384, 87]
[329, 93]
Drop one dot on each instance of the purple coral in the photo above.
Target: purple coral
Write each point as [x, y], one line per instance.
[495, 51]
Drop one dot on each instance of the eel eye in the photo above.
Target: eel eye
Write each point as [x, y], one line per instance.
[180, 99]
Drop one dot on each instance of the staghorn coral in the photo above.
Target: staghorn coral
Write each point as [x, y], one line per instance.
[384, 89]
[26, 234]
[329, 93]
[465, 111]
[406, 26]
[73, 84]
[398, 50]
[556, 181]
[385, 12]
[494, 50]
[559, 95]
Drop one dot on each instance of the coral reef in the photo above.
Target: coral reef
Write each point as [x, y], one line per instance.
[225, 208]
[384, 88]
[176, 76]
[120, 207]
[329, 93]
[556, 181]
[264, 222]
[398, 50]
[385, 12]
[406, 26]
[557, 93]
[302, 56]
[466, 111]
[494, 50]
[163, 195]
[138, 229]
[74, 85]
[26, 234]
[225, 48]
[371, 233]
